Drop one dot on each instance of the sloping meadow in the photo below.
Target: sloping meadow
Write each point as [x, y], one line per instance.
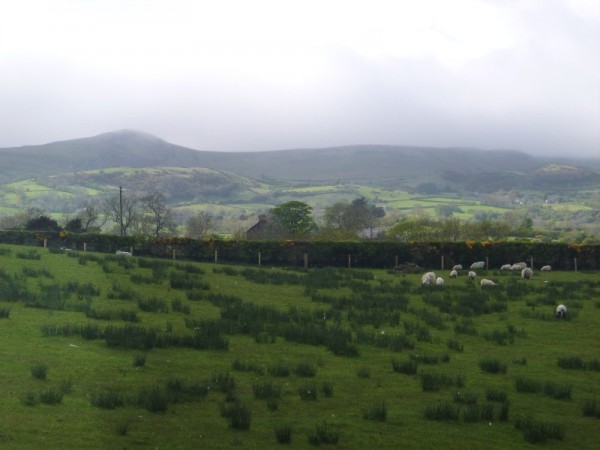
[111, 351]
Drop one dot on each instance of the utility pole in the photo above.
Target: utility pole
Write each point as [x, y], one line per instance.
[121, 208]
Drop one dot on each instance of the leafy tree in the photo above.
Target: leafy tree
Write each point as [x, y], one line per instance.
[200, 225]
[42, 223]
[294, 217]
[74, 225]
[353, 217]
[90, 215]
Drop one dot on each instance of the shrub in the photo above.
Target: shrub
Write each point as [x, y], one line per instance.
[453, 344]
[122, 427]
[467, 398]
[238, 414]
[266, 389]
[246, 366]
[152, 399]
[377, 411]
[305, 369]
[535, 431]
[327, 389]
[406, 367]
[432, 381]
[571, 362]
[108, 398]
[139, 360]
[4, 313]
[492, 365]
[179, 390]
[279, 369]
[363, 372]
[283, 434]
[308, 392]
[323, 434]
[558, 391]
[527, 385]
[495, 395]
[39, 371]
[30, 398]
[223, 382]
[442, 411]
[51, 396]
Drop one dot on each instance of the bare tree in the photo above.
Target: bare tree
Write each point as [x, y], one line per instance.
[157, 214]
[91, 214]
[130, 206]
[200, 225]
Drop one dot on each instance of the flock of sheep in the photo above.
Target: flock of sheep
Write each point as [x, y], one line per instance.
[430, 278]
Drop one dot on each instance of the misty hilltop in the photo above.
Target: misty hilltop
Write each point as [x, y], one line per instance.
[376, 165]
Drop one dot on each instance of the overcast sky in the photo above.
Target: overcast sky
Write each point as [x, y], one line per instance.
[273, 74]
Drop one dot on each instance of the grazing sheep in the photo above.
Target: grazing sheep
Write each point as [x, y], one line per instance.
[439, 281]
[453, 274]
[546, 268]
[485, 282]
[472, 275]
[561, 311]
[120, 253]
[519, 266]
[457, 267]
[478, 265]
[506, 267]
[428, 278]
[526, 273]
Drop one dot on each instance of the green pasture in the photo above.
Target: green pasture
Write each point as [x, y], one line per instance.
[373, 359]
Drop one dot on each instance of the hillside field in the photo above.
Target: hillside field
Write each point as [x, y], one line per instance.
[102, 351]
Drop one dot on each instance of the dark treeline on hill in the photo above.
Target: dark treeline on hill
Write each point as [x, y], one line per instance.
[305, 254]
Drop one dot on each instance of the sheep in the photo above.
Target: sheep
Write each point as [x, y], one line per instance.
[485, 282]
[453, 274]
[526, 273]
[519, 266]
[428, 278]
[457, 267]
[506, 267]
[120, 253]
[561, 311]
[472, 275]
[439, 281]
[546, 268]
[478, 265]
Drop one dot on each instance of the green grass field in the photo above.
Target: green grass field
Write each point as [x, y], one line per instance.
[105, 352]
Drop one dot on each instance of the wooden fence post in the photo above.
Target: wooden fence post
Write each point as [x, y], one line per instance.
[396, 262]
[45, 243]
[258, 259]
[349, 261]
[442, 262]
[575, 264]
[216, 256]
[174, 256]
[306, 260]
[85, 246]
[487, 263]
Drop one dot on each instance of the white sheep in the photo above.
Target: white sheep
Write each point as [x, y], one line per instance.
[546, 268]
[439, 281]
[453, 274]
[457, 267]
[526, 273]
[428, 278]
[472, 275]
[506, 267]
[519, 266]
[478, 265]
[561, 311]
[120, 253]
[485, 282]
